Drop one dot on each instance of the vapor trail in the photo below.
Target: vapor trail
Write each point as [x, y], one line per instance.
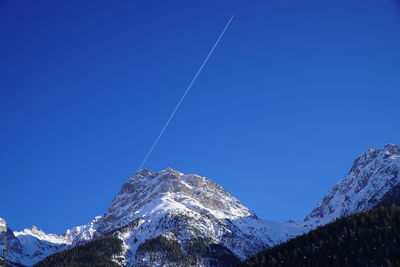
[184, 95]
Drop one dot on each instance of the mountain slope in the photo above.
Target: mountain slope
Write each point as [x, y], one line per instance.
[98, 252]
[182, 208]
[372, 181]
[188, 218]
[9, 241]
[30, 245]
[369, 238]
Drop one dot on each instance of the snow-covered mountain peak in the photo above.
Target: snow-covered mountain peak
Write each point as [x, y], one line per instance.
[143, 173]
[149, 175]
[373, 157]
[41, 235]
[181, 207]
[370, 180]
[82, 233]
[170, 170]
[389, 149]
[29, 245]
[147, 190]
[35, 229]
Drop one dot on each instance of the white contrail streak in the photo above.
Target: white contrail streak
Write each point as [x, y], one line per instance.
[184, 95]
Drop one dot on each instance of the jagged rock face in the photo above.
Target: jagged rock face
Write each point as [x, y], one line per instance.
[8, 240]
[179, 208]
[82, 233]
[183, 207]
[190, 191]
[372, 180]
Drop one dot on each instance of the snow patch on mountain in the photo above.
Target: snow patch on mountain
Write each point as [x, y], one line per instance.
[30, 245]
[82, 233]
[40, 235]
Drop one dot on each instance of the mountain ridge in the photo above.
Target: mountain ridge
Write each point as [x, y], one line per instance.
[166, 204]
[372, 175]
[187, 209]
[178, 206]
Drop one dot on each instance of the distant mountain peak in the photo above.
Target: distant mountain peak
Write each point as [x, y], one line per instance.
[370, 180]
[181, 207]
[388, 149]
[148, 173]
[35, 228]
[147, 187]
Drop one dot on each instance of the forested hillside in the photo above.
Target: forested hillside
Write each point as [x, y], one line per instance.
[97, 253]
[369, 238]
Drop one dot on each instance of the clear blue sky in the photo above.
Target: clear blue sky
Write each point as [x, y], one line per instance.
[295, 91]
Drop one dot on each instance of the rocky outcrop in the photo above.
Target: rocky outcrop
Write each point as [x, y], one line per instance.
[373, 180]
[177, 207]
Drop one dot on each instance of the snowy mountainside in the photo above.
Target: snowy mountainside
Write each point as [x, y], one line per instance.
[82, 233]
[373, 180]
[8, 238]
[189, 211]
[182, 208]
[148, 192]
[30, 245]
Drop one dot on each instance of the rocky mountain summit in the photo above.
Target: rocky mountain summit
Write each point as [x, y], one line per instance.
[28, 246]
[169, 206]
[373, 180]
[155, 212]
